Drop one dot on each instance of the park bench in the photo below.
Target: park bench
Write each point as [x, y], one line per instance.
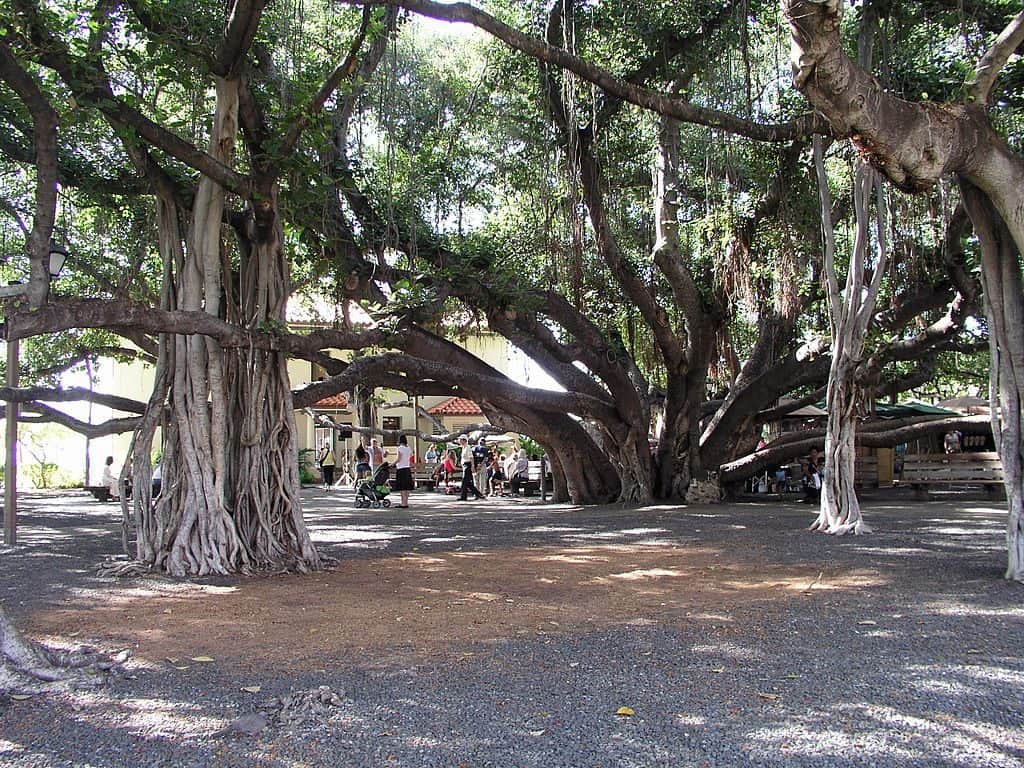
[531, 485]
[423, 475]
[866, 471]
[100, 492]
[921, 470]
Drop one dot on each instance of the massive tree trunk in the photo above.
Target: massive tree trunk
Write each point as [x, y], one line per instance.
[914, 145]
[1004, 307]
[230, 489]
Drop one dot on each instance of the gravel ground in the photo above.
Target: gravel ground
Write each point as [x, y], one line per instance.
[914, 660]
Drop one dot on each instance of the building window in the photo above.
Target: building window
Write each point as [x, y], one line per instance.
[391, 422]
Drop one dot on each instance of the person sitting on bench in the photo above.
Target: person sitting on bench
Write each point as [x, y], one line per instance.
[520, 473]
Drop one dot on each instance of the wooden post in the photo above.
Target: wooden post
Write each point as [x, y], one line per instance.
[11, 449]
[543, 477]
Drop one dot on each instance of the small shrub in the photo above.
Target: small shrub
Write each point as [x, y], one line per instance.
[306, 476]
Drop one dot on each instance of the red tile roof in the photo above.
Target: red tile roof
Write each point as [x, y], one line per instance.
[455, 406]
[332, 402]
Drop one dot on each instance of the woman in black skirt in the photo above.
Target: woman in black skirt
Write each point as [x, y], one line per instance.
[403, 471]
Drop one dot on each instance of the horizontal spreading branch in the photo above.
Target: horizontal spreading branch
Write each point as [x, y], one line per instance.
[71, 395]
[122, 314]
[48, 415]
[439, 437]
[663, 103]
[474, 384]
[774, 455]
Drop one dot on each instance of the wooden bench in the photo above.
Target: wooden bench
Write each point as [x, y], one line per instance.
[531, 485]
[865, 471]
[921, 470]
[101, 492]
[423, 476]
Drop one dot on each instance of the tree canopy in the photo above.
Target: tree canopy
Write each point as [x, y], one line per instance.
[625, 190]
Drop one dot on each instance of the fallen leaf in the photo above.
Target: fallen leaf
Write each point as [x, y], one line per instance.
[21, 696]
[541, 732]
[177, 667]
[718, 670]
[868, 623]
[251, 688]
[769, 696]
[624, 712]
[203, 659]
[171, 659]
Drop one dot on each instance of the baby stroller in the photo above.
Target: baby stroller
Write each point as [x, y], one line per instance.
[373, 492]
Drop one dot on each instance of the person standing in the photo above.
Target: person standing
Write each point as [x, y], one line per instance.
[481, 462]
[327, 465]
[403, 470]
[951, 443]
[363, 469]
[467, 470]
[376, 455]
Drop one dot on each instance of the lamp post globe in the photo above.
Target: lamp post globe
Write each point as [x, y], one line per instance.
[58, 255]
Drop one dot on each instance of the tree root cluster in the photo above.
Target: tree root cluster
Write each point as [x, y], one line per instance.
[116, 568]
[27, 668]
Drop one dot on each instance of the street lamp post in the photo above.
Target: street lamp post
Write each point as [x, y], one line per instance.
[57, 256]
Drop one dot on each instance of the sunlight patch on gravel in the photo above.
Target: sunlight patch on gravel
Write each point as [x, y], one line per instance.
[126, 595]
[691, 721]
[980, 673]
[646, 573]
[962, 609]
[731, 650]
[146, 716]
[892, 737]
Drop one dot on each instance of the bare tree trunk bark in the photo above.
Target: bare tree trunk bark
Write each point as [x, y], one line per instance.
[1004, 307]
[916, 144]
[850, 314]
[230, 499]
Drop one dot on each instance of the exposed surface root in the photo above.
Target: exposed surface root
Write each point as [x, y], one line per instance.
[27, 668]
[116, 568]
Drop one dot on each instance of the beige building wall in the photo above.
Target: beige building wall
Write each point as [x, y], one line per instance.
[135, 380]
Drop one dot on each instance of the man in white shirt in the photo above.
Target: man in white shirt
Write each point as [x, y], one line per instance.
[467, 470]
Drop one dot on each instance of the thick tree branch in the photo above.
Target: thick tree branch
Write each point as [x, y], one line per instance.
[50, 415]
[71, 395]
[92, 85]
[120, 314]
[658, 102]
[773, 456]
[979, 87]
